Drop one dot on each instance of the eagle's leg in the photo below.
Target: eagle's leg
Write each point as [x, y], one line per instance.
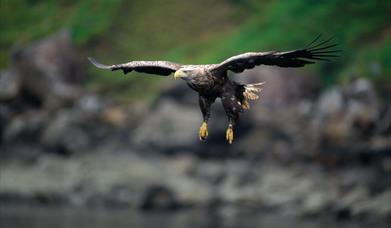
[232, 108]
[229, 134]
[205, 103]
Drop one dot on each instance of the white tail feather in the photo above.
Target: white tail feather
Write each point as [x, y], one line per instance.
[250, 93]
[251, 90]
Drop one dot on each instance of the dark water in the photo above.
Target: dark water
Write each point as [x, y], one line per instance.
[46, 217]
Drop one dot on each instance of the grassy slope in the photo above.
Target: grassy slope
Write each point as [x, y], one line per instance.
[361, 28]
[117, 30]
[23, 21]
[164, 31]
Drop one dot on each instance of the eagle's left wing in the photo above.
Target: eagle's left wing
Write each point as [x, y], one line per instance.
[163, 68]
[296, 58]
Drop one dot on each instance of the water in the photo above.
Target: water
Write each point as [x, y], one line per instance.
[54, 217]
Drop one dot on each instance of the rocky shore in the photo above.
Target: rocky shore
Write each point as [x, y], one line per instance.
[299, 150]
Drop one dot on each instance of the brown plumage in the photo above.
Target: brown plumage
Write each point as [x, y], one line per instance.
[211, 81]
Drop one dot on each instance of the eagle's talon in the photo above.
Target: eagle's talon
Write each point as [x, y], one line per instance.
[203, 133]
[229, 135]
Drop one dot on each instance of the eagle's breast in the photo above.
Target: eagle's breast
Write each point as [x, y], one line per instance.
[203, 80]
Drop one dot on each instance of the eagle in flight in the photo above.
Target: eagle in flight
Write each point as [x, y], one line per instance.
[211, 81]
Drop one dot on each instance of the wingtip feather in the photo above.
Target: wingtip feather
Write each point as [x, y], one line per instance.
[97, 64]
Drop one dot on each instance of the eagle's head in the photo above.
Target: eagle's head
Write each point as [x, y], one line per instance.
[187, 73]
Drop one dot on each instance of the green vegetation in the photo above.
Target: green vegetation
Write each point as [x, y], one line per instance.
[203, 32]
[23, 21]
[362, 29]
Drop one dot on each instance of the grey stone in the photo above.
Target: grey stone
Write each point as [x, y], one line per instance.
[49, 69]
[25, 127]
[331, 102]
[9, 85]
[67, 130]
[168, 126]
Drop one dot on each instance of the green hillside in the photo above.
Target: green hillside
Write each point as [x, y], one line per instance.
[204, 31]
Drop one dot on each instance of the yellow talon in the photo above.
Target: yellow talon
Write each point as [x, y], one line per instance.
[203, 133]
[229, 135]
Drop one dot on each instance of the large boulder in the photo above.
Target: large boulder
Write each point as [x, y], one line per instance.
[9, 85]
[170, 126]
[345, 117]
[49, 69]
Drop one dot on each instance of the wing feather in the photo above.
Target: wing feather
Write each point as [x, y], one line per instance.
[163, 68]
[315, 51]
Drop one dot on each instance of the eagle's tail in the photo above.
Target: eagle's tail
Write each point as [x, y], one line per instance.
[251, 93]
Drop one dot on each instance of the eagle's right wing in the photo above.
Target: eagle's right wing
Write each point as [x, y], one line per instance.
[296, 58]
[163, 68]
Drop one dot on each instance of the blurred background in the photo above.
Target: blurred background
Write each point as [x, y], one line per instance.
[83, 147]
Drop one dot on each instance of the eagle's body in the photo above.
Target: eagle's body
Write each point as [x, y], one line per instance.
[212, 81]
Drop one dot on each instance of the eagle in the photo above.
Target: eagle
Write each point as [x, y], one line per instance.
[211, 81]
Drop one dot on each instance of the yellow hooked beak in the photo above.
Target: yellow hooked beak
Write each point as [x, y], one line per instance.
[179, 74]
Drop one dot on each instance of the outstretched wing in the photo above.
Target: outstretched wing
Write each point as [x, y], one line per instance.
[163, 68]
[296, 58]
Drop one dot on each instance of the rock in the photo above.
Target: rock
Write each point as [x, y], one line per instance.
[363, 107]
[48, 69]
[125, 117]
[357, 102]
[316, 203]
[344, 117]
[179, 92]
[25, 127]
[360, 202]
[9, 85]
[128, 180]
[124, 180]
[159, 198]
[69, 131]
[90, 103]
[170, 126]
[378, 204]
[5, 116]
[380, 143]
[331, 102]
[210, 171]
